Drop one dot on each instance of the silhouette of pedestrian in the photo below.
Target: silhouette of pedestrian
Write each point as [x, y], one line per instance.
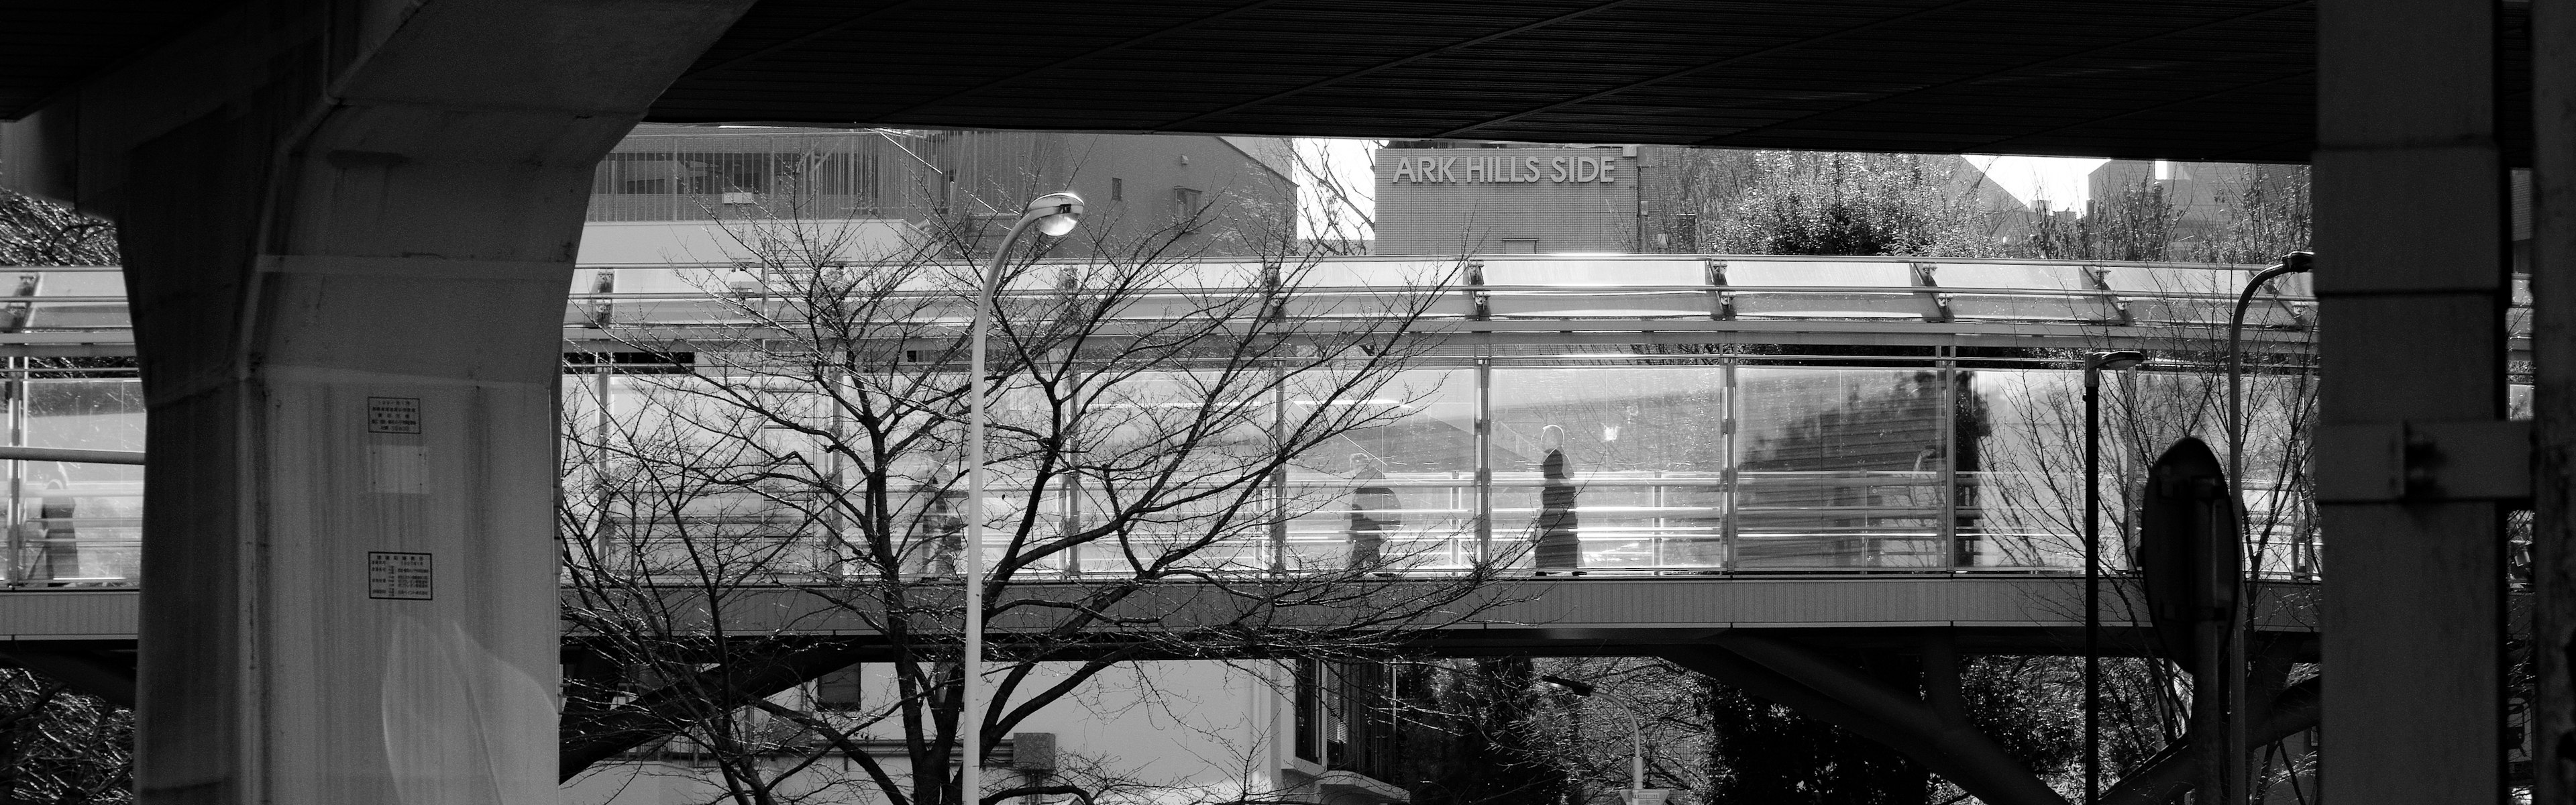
[1373, 509]
[1559, 546]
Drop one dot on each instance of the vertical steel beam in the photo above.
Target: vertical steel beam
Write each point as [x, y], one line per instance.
[1947, 369]
[1484, 432]
[2411, 280]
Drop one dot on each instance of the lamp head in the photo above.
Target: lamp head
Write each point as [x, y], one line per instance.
[2299, 262]
[1053, 213]
[2115, 360]
[1575, 687]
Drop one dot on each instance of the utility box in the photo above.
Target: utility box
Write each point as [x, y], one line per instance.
[1033, 751]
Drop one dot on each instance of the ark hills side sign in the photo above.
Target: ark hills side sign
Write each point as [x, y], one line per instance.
[1450, 167]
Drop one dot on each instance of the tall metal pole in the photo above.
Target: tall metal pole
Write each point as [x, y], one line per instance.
[2230, 681]
[2092, 580]
[2093, 366]
[970, 666]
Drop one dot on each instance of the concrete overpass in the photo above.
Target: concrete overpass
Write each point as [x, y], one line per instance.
[311, 191]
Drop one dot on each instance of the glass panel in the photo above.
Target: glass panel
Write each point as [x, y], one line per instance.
[1892, 275]
[649, 506]
[2517, 318]
[1640, 477]
[1839, 468]
[2021, 469]
[1358, 287]
[2076, 304]
[80, 522]
[2205, 295]
[2281, 524]
[1207, 508]
[1401, 485]
[87, 315]
[1566, 271]
[1355, 272]
[1574, 275]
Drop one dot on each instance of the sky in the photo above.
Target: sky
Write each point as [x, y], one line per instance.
[2061, 180]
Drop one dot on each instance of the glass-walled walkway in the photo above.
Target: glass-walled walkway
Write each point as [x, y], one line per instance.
[1613, 415]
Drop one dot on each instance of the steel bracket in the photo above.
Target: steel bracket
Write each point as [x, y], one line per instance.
[2424, 461]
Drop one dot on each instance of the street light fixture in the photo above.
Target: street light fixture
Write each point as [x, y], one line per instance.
[2093, 366]
[2292, 263]
[1637, 793]
[2231, 662]
[1051, 214]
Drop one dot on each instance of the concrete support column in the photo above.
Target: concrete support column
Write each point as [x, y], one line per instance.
[348, 273]
[2553, 285]
[2411, 280]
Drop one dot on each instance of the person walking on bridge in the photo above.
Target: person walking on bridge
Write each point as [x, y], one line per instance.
[1373, 509]
[1559, 547]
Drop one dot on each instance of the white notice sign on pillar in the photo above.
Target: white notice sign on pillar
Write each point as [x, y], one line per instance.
[393, 415]
[397, 575]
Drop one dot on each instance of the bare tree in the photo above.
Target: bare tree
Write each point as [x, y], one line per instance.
[797, 448]
[1342, 219]
[58, 744]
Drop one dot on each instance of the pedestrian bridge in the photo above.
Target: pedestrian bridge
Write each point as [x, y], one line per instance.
[1847, 447]
[1717, 413]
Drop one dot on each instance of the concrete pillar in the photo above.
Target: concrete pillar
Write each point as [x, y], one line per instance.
[2411, 280]
[348, 231]
[2553, 285]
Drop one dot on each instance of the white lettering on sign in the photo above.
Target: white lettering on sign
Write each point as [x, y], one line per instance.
[1506, 169]
[398, 575]
[393, 415]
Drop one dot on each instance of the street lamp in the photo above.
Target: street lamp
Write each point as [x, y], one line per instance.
[1637, 793]
[2231, 661]
[1050, 214]
[2292, 263]
[2093, 366]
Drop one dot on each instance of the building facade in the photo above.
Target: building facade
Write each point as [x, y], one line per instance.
[1438, 197]
[660, 194]
[1471, 198]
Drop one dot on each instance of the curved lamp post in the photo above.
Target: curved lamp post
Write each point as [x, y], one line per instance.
[1050, 214]
[2292, 263]
[2093, 366]
[1637, 793]
[2232, 655]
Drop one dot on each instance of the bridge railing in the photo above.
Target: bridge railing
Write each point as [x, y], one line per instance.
[1643, 288]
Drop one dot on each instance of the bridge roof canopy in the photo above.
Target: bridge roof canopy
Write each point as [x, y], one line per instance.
[2195, 79]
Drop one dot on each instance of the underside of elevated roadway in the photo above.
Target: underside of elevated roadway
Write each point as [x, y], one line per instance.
[2207, 80]
[317, 197]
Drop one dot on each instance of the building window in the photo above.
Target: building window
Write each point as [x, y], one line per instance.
[1117, 189]
[1186, 209]
[1520, 245]
[1310, 710]
[838, 691]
